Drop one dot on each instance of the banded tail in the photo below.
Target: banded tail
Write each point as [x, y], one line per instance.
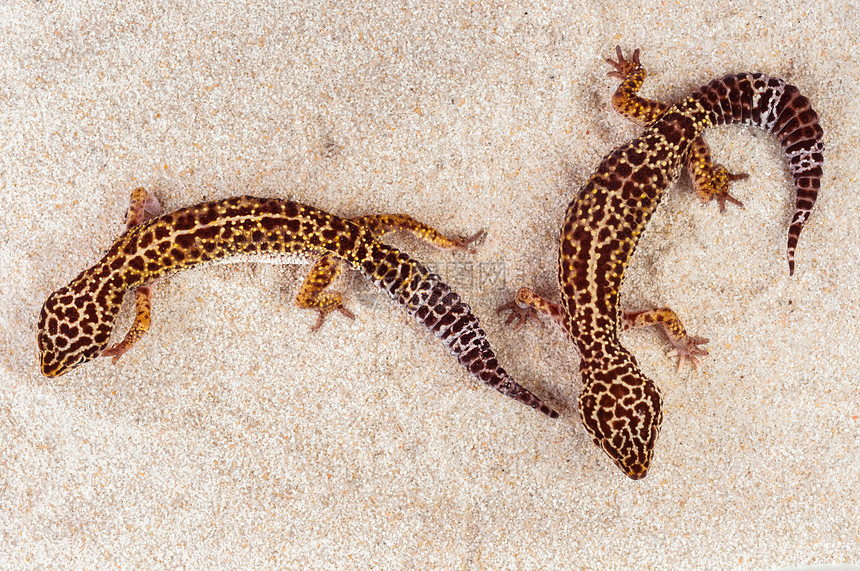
[777, 107]
[437, 307]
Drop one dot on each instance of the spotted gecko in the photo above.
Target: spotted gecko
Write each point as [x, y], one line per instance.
[76, 321]
[620, 407]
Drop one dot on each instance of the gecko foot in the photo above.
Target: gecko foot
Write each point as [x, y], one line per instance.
[116, 351]
[521, 315]
[326, 310]
[623, 67]
[724, 177]
[465, 243]
[687, 349]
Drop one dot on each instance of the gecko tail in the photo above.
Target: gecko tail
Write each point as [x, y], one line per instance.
[437, 307]
[779, 108]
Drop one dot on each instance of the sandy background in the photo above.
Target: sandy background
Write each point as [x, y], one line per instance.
[232, 437]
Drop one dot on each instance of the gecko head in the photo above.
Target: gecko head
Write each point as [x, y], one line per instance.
[622, 412]
[72, 329]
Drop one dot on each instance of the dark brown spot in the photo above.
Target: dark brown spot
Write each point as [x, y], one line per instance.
[146, 239]
[208, 214]
[269, 224]
[643, 175]
[624, 170]
[290, 209]
[270, 206]
[136, 263]
[185, 241]
[207, 233]
[130, 245]
[669, 132]
[91, 311]
[635, 157]
[293, 226]
[185, 221]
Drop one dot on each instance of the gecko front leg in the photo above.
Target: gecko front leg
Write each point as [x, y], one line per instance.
[142, 205]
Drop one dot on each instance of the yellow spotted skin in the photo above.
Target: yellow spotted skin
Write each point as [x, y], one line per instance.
[76, 321]
[710, 181]
[620, 407]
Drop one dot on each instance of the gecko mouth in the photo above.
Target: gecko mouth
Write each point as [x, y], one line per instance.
[637, 472]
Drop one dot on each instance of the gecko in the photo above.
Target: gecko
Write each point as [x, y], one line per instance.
[620, 407]
[76, 321]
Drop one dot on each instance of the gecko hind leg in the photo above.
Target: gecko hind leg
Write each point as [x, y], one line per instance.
[684, 346]
[312, 295]
[382, 224]
[526, 305]
[626, 100]
[327, 268]
[711, 181]
[141, 206]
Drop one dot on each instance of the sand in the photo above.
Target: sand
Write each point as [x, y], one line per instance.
[234, 437]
